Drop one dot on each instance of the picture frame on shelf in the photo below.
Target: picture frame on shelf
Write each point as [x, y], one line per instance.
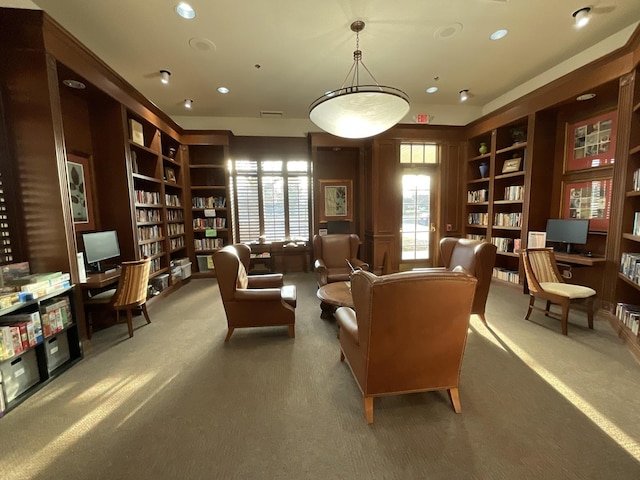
[590, 199]
[336, 200]
[137, 131]
[511, 165]
[591, 143]
[170, 174]
[80, 178]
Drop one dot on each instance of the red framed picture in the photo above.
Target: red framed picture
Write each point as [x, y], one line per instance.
[592, 143]
[589, 200]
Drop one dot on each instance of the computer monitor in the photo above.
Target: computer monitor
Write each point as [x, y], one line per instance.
[100, 246]
[567, 232]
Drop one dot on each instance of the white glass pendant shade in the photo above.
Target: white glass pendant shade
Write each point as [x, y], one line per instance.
[359, 112]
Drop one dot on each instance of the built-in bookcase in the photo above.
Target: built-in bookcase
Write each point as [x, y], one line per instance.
[210, 212]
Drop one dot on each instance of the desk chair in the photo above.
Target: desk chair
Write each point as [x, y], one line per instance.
[545, 282]
[131, 293]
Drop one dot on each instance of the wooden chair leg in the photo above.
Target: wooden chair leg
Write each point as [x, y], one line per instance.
[564, 319]
[483, 318]
[546, 310]
[144, 311]
[89, 325]
[368, 409]
[130, 322]
[532, 300]
[292, 331]
[590, 313]
[454, 396]
[229, 333]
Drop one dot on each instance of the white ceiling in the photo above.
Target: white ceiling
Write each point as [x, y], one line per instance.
[305, 48]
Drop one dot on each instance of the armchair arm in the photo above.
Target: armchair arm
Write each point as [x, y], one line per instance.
[346, 318]
[257, 294]
[269, 280]
[359, 264]
[320, 268]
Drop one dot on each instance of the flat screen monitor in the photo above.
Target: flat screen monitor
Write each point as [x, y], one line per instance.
[567, 232]
[100, 246]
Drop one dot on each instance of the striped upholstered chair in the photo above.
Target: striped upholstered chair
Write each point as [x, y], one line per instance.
[545, 282]
[131, 293]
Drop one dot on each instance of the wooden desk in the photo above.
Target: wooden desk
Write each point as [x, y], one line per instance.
[577, 259]
[100, 280]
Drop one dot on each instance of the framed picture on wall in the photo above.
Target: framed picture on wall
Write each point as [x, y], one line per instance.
[336, 200]
[80, 178]
[590, 200]
[591, 143]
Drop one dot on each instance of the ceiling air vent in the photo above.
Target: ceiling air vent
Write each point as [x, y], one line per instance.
[270, 114]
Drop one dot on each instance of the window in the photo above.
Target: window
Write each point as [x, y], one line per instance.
[417, 200]
[272, 199]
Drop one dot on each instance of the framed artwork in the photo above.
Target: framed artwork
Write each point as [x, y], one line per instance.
[169, 174]
[336, 200]
[511, 165]
[80, 191]
[589, 199]
[591, 143]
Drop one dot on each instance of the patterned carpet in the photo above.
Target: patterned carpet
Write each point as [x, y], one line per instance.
[175, 402]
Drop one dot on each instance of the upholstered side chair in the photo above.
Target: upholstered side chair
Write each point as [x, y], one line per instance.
[476, 257]
[407, 333]
[252, 300]
[333, 253]
[130, 294]
[546, 283]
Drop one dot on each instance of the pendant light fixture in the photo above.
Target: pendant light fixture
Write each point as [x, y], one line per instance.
[359, 111]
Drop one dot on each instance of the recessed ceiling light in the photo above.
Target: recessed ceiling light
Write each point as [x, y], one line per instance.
[498, 34]
[74, 84]
[448, 31]
[432, 89]
[585, 96]
[185, 10]
[202, 44]
[223, 90]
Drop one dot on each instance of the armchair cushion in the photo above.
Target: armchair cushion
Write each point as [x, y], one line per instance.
[332, 252]
[243, 281]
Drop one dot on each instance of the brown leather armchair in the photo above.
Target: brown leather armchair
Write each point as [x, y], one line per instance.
[476, 257]
[407, 333]
[252, 300]
[332, 252]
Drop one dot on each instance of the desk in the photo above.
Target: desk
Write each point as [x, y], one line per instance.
[577, 259]
[100, 280]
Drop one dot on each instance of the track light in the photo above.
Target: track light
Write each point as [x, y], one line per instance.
[582, 16]
[188, 103]
[164, 76]
[464, 94]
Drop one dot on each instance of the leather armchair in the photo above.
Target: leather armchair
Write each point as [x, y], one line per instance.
[407, 333]
[252, 300]
[332, 252]
[476, 257]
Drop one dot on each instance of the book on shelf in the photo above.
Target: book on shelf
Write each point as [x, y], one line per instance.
[137, 132]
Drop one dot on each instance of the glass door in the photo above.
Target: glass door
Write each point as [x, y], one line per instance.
[418, 226]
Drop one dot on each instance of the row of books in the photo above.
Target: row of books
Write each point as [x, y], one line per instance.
[629, 315]
[148, 198]
[176, 228]
[174, 216]
[151, 215]
[636, 180]
[209, 202]
[478, 196]
[630, 266]
[503, 244]
[514, 192]
[208, 243]
[478, 219]
[147, 233]
[172, 200]
[511, 276]
[507, 219]
[22, 331]
[636, 224]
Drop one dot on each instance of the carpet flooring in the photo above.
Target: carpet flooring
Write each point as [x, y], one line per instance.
[176, 402]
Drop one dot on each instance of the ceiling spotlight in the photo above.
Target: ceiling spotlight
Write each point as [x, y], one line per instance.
[582, 16]
[188, 103]
[585, 96]
[185, 10]
[164, 76]
[498, 34]
[432, 89]
[78, 85]
[223, 90]
[359, 111]
[464, 94]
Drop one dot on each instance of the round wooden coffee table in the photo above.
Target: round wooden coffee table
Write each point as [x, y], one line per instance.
[333, 295]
